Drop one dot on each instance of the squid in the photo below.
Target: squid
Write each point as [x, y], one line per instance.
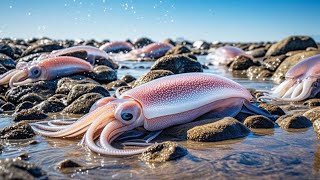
[116, 47]
[225, 55]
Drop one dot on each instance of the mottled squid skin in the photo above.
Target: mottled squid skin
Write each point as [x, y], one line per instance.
[224, 55]
[156, 105]
[301, 82]
[116, 47]
[47, 69]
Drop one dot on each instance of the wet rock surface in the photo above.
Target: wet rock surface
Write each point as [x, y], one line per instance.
[291, 43]
[152, 75]
[83, 104]
[50, 106]
[81, 89]
[29, 114]
[179, 49]
[293, 122]
[8, 106]
[19, 169]
[103, 74]
[241, 63]
[24, 105]
[224, 129]
[258, 121]
[115, 84]
[313, 114]
[21, 130]
[141, 42]
[161, 152]
[312, 103]
[272, 108]
[177, 64]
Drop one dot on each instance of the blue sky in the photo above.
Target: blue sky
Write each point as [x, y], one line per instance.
[224, 20]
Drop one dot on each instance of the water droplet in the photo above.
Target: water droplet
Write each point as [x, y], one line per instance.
[29, 13]
[10, 7]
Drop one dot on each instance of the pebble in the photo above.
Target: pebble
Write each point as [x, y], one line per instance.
[29, 114]
[293, 122]
[21, 130]
[258, 121]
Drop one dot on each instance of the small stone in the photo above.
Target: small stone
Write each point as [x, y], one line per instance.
[21, 130]
[179, 49]
[128, 78]
[273, 62]
[241, 63]
[177, 64]
[272, 108]
[293, 121]
[19, 169]
[68, 163]
[83, 104]
[29, 114]
[8, 107]
[50, 106]
[256, 53]
[31, 97]
[313, 114]
[65, 84]
[224, 129]
[24, 105]
[312, 102]
[151, 75]
[103, 74]
[162, 152]
[24, 156]
[258, 121]
[115, 84]
[81, 89]
[141, 42]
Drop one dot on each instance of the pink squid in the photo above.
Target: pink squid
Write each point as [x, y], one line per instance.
[225, 55]
[151, 51]
[302, 82]
[46, 69]
[116, 47]
[156, 105]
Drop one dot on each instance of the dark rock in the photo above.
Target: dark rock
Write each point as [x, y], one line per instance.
[293, 121]
[272, 108]
[59, 97]
[44, 89]
[128, 78]
[7, 61]
[273, 62]
[8, 107]
[313, 114]
[258, 72]
[67, 163]
[121, 90]
[24, 156]
[241, 63]
[3, 69]
[2, 102]
[224, 129]
[260, 52]
[115, 84]
[151, 75]
[258, 121]
[106, 62]
[65, 84]
[291, 43]
[279, 75]
[19, 169]
[24, 105]
[177, 64]
[7, 50]
[30, 57]
[29, 114]
[103, 74]
[161, 152]
[179, 49]
[255, 46]
[83, 104]
[312, 102]
[141, 42]
[21, 130]
[31, 97]
[81, 89]
[50, 106]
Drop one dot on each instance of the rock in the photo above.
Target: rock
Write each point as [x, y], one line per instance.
[177, 64]
[224, 129]
[7, 50]
[179, 49]
[7, 61]
[42, 47]
[128, 78]
[272, 108]
[241, 63]
[29, 114]
[44, 89]
[141, 42]
[316, 127]
[103, 74]
[312, 102]
[50, 106]
[2, 71]
[106, 62]
[121, 90]
[273, 62]
[68, 163]
[293, 121]
[81, 89]
[31, 97]
[115, 84]
[24, 105]
[151, 75]
[59, 97]
[258, 72]
[8, 107]
[161, 152]
[260, 52]
[313, 114]
[65, 84]
[291, 43]
[21, 130]
[83, 104]
[258, 121]
[19, 169]
[279, 75]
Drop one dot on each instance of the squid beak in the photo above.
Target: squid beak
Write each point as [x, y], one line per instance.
[20, 78]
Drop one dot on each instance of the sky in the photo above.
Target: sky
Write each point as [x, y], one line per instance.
[211, 20]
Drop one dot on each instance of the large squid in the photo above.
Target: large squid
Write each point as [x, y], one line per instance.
[225, 55]
[156, 105]
[302, 82]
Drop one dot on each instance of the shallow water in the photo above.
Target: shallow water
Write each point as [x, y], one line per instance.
[275, 153]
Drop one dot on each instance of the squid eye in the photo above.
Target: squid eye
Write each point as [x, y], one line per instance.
[35, 72]
[126, 116]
